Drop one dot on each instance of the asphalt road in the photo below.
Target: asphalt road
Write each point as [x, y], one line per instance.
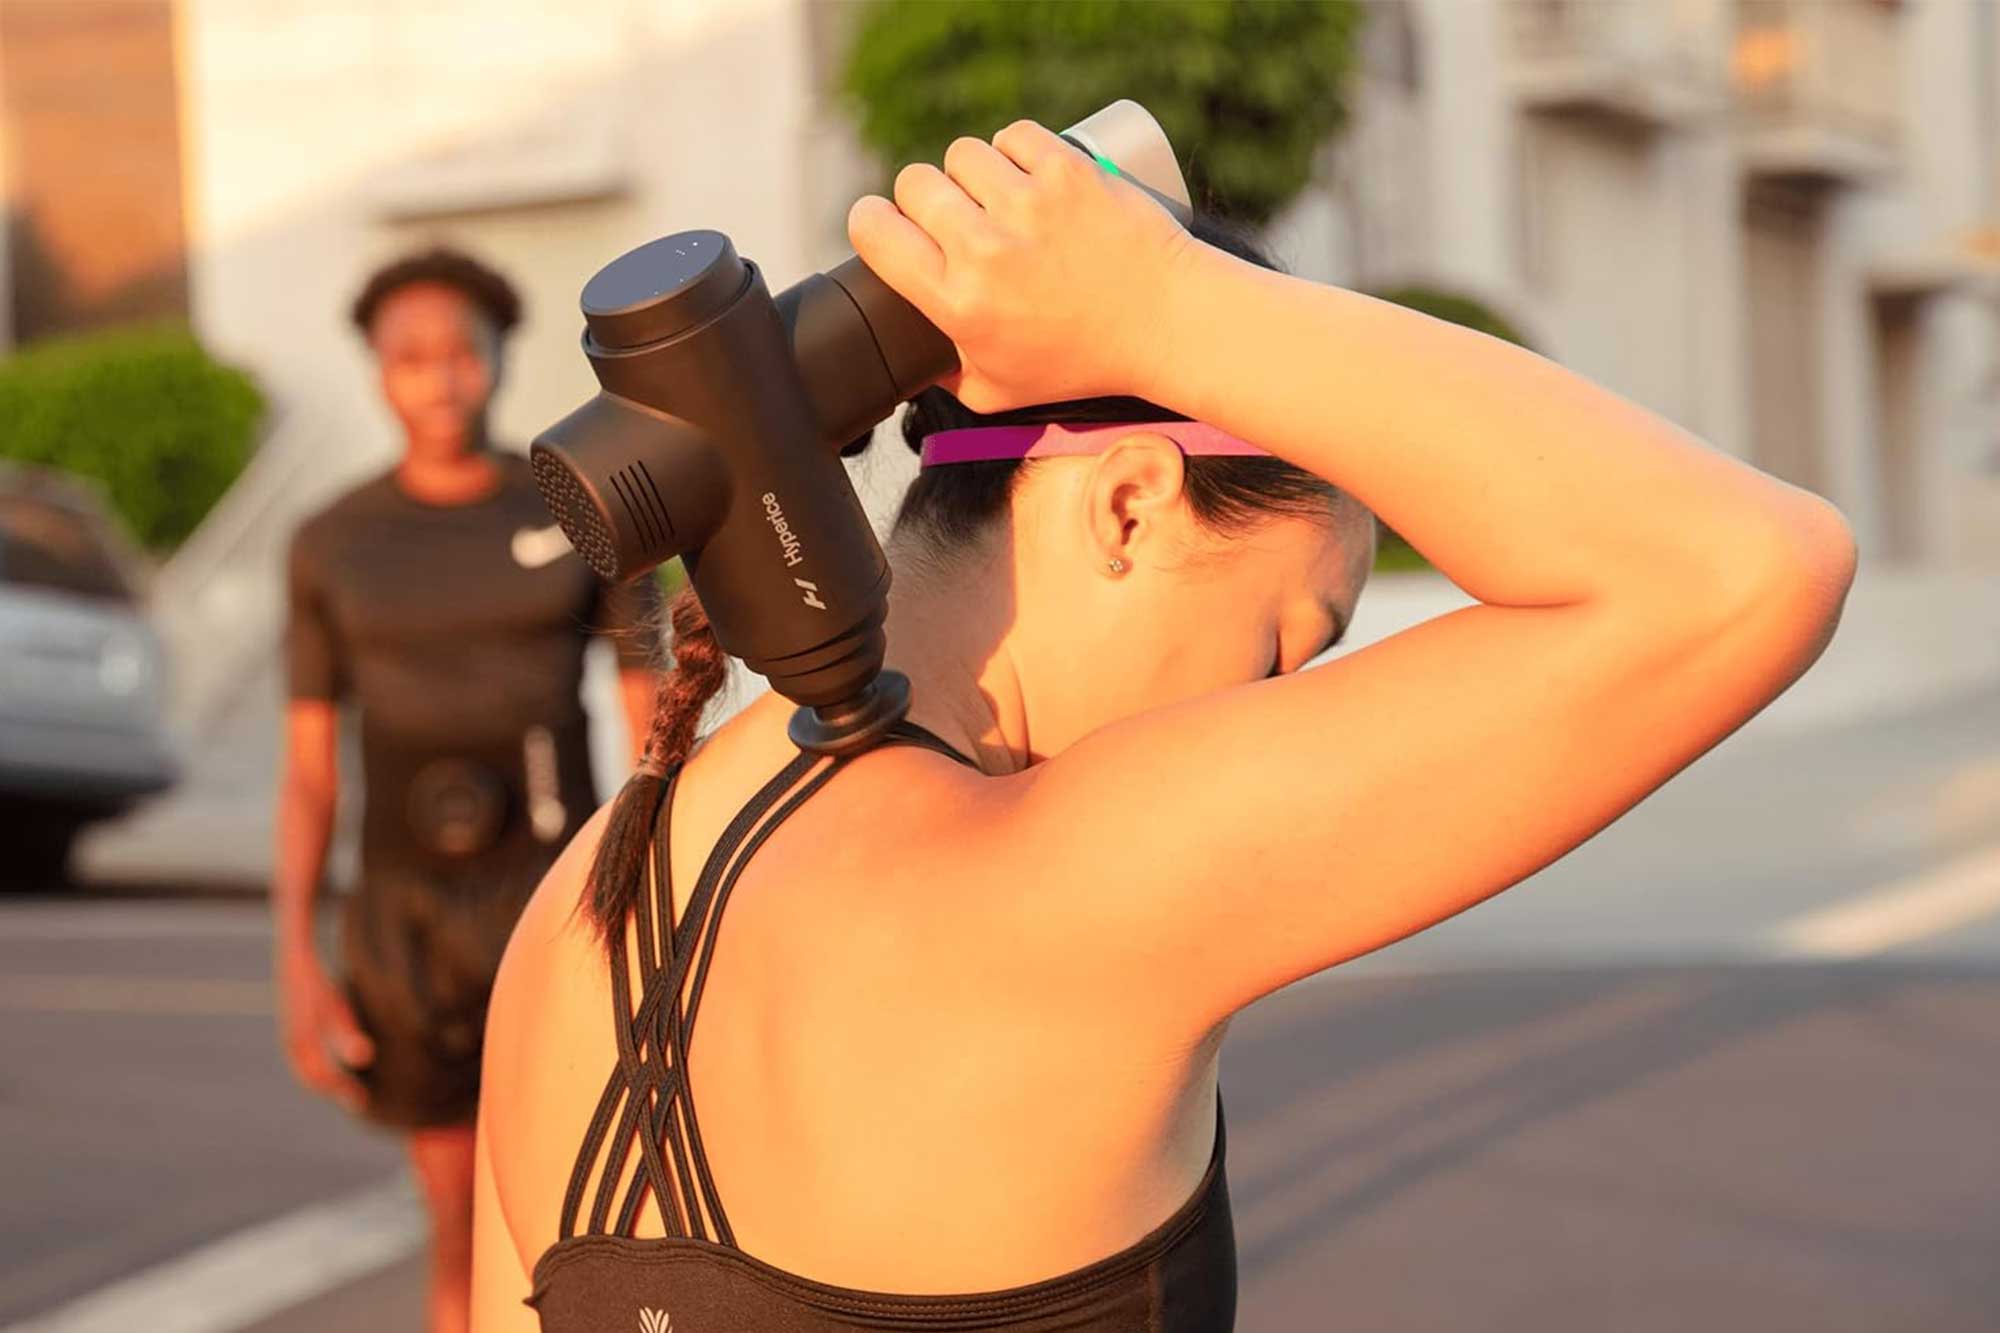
[1665, 1085]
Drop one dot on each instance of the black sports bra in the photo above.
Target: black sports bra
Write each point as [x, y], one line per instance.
[1181, 1278]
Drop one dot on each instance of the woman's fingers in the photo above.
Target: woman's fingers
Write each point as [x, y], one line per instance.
[1030, 147]
[898, 250]
[935, 202]
[1019, 253]
[314, 1067]
[986, 174]
[350, 1043]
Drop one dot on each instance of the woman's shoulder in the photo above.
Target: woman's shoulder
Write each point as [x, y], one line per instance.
[549, 1043]
[547, 962]
[880, 822]
[554, 922]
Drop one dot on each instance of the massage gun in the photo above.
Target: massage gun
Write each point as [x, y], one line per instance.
[717, 438]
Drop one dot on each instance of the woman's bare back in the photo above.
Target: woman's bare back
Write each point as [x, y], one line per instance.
[867, 1052]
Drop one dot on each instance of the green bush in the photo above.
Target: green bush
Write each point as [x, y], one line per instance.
[1392, 553]
[146, 413]
[1248, 90]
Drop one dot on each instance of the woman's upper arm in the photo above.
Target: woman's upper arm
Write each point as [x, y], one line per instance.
[535, 1008]
[1217, 850]
[315, 663]
[312, 741]
[499, 1268]
[499, 1281]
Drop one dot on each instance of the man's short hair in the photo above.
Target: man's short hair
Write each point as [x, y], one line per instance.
[492, 294]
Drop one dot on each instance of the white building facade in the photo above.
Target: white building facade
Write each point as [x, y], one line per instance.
[1773, 221]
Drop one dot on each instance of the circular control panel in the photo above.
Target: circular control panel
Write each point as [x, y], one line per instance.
[662, 288]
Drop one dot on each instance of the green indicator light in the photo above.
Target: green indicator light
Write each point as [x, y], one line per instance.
[1108, 165]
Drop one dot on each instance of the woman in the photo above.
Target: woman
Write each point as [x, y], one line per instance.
[437, 600]
[960, 1034]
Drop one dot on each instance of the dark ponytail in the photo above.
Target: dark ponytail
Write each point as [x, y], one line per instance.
[618, 875]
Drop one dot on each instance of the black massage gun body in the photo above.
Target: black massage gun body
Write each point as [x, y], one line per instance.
[717, 438]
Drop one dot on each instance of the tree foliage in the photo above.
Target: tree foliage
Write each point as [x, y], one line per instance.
[1248, 90]
[146, 413]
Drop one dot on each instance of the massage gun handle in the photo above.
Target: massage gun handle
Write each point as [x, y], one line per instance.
[860, 349]
[914, 352]
[856, 371]
[911, 352]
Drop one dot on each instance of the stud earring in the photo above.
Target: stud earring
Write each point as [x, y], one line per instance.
[1115, 564]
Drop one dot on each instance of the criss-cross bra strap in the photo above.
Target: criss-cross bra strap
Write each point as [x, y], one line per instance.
[646, 1098]
[608, 1101]
[641, 1073]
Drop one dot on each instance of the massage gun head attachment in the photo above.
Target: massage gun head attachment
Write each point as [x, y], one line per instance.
[581, 515]
[624, 479]
[718, 433]
[706, 444]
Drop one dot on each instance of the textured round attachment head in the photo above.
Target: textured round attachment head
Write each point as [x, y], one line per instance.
[582, 518]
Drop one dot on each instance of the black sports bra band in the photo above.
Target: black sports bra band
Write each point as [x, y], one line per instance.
[914, 734]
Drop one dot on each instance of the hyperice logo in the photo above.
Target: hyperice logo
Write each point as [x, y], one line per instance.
[655, 1321]
[789, 544]
[787, 540]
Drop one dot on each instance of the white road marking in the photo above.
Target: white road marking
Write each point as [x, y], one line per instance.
[27, 923]
[1931, 903]
[186, 997]
[253, 1274]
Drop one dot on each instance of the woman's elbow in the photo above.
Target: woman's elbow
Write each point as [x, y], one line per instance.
[1792, 573]
[1813, 558]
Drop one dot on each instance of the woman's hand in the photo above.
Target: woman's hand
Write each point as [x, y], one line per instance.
[322, 1038]
[1051, 276]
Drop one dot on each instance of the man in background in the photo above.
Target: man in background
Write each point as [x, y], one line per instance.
[439, 602]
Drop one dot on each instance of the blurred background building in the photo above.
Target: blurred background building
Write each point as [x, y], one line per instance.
[1775, 221]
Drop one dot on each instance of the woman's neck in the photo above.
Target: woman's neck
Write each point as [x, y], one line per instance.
[947, 632]
[449, 477]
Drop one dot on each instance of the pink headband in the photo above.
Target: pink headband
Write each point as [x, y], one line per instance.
[978, 444]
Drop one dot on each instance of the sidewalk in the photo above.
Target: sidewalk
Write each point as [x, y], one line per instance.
[390, 1300]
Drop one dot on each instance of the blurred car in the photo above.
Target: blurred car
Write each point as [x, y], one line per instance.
[82, 675]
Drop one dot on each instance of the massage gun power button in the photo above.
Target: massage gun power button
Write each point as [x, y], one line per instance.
[663, 288]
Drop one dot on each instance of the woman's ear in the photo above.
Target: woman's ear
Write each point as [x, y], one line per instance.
[1135, 502]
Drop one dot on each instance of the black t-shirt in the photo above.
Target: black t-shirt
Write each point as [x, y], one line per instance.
[452, 625]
